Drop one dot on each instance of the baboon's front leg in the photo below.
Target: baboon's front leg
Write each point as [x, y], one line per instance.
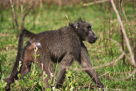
[85, 62]
[47, 68]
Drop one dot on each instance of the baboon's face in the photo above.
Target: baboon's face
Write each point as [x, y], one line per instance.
[85, 32]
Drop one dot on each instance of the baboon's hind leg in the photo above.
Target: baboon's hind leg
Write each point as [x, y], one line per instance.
[66, 62]
[24, 69]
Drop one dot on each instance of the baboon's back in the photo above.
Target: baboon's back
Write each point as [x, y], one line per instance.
[59, 43]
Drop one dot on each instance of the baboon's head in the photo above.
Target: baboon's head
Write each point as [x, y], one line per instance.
[84, 31]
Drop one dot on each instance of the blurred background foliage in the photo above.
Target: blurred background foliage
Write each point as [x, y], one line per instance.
[54, 14]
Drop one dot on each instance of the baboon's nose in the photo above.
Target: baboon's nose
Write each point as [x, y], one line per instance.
[95, 37]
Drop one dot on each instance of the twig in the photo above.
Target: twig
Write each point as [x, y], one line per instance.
[132, 39]
[0, 71]
[97, 67]
[122, 51]
[95, 2]
[111, 63]
[24, 15]
[15, 17]
[28, 10]
[125, 78]
[134, 8]
[128, 26]
[122, 37]
[125, 36]
[35, 84]
[130, 75]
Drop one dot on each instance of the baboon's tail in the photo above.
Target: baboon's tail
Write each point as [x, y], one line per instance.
[28, 34]
[13, 75]
[24, 33]
[14, 72]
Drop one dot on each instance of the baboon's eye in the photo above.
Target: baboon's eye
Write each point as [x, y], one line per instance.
[89, 27]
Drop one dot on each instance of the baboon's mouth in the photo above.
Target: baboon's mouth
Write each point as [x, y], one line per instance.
[92, 41]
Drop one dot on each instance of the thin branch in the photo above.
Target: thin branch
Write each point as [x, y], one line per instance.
[123, 51]
[124, 33]
[29, 9]
[125, 78]
[15, 17]
[128, 25]
[0, 70]
[97, 67]
[130, 75]
[111, 63]
[95, 2]
[122, 37]
[24, 15]
[132, 39]
[134, 8]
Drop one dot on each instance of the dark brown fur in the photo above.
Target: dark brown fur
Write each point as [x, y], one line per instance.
[61, 46]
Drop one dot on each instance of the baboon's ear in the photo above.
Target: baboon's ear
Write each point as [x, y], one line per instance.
[34, 45]
[76, 25]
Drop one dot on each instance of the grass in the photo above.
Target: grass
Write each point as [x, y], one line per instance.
[103, 51]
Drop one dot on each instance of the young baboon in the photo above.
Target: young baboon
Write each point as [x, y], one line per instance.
[61, 46]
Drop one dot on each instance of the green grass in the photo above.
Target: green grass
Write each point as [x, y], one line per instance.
[103, 51]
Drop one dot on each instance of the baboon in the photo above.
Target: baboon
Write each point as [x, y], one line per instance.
[61, 46]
